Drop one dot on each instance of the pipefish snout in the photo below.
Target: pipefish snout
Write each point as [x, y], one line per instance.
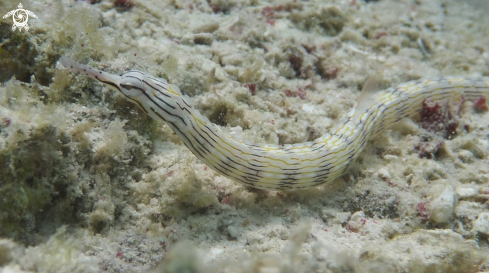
[289, 166]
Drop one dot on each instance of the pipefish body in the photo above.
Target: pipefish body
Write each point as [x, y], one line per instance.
[288, 166]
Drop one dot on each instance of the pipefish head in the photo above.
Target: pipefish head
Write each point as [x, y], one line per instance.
[137, 86]
[136, 83]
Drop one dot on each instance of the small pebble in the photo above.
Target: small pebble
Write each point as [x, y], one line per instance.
[357, 221]
[467, 190]
[384, 174]
[441, 208]
[233, 232]
[357, 216]
[390, 158]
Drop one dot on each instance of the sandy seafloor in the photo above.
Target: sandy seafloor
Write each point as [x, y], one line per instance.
[88, 183]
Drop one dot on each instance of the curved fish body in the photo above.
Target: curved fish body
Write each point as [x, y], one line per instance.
[289, 166]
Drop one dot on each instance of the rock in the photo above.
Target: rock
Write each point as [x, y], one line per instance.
[328, 213]
[384, 174]
[467, 190]
[441, 208]
[465, 156]
[468, 210]
[341, 217]
[482, 223]
[357, 220]
[233, 232]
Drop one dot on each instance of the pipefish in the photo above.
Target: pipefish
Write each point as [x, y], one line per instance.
[288, 166]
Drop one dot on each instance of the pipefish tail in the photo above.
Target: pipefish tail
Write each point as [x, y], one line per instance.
[289, 166]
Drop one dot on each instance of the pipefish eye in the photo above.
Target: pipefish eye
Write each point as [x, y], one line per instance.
[131, 82]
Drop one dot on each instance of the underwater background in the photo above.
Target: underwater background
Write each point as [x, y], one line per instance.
[89, 183]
